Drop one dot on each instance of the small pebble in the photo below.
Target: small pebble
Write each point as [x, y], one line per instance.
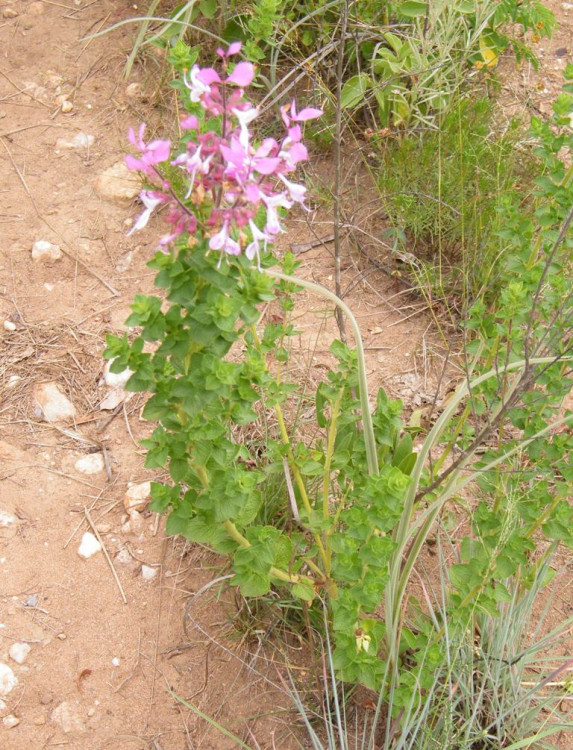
[62, 636]
[115, 661]
[148, 573]
[9, 13]
[8, 679]
[18, 652]
[137, 497]
[67, 106]
[52, 403]
[7, 519]
[89, 546]
[78, 141]
[91, 464]
[45, 252]
[9, 325]
[10, 721]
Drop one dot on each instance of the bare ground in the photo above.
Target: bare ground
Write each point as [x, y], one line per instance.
[108, 648]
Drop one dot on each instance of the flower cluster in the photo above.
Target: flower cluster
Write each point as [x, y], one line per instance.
[231, 183]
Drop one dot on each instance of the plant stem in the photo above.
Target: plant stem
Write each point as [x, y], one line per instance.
[367, 426]
[326, 480]
[338, 165]
[236, 535]
[292, 461]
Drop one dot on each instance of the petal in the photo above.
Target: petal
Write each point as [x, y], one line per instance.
[253, 193]
[232, 247]
[218, 241]
[251, 250]
[242, 75]
[310, 113]
[133, 163]
[189, 123]
[208, 76]
[266, 166]
[295, 133]
[158, 151]
[234, 48]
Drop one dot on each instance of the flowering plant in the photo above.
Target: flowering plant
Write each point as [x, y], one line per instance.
[228, 179]
[281, 506]
[339, 513]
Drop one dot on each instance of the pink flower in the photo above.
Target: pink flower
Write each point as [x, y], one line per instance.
[189, 123]
[310, 113]
[273, 203]
[153, 153]
[222, 241]
[234, 49]
[150, 199]
[200, 82]
[242, 75]
[244, 117]
[296, 192]
[252, 249]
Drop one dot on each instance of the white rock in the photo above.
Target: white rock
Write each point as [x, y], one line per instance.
[9, 325]
[13, 380]
[19, 652]
[8, 679]
[67, 106]
[89, 546]
[2, 705]
[113, 398]
[10, 721]
[7, 519]
[78, 141]
[115, 661]
[148, 573]
[91, 464]
[115, 379]
[68, 718]
[135, 524]
[45, 252]
[118, 183]
[54, 406]
[137, 497]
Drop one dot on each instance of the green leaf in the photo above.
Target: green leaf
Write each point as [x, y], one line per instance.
[412, 9]
[252, 583]
[304, 591]
[208, 8]
[354, 89]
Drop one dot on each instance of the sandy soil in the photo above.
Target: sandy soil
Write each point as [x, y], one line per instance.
[112, 637]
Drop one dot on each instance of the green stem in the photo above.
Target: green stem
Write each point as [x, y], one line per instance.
[368, 429]
[326, 480]
[292, 461]
[236, 535]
